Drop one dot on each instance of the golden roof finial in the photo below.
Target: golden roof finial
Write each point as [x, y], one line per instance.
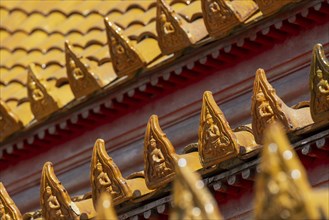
[9, 122]
[159, 156]
[8, 209]
[221, 16]
[266, 106]
[191, 197]
[173, 35]
[282, 188]
[82, 81]
[105, 176]
[319, 86]
[41, 102]
[126, 60]
[217, 141]
[55, 201]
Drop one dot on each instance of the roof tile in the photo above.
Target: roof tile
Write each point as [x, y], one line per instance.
[35, 31]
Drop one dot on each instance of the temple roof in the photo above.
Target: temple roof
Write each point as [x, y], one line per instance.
[86, 80]
[277, 173]
[137, 37]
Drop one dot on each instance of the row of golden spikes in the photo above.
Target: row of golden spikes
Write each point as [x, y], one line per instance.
[282, 191]
[282, 188]
[217, 143]
[221, 18]
[319, 72]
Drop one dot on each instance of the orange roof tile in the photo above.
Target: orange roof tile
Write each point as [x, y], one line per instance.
[35, 31]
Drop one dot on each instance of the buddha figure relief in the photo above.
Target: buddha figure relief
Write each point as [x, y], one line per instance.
[214, 8]
[37, 95]
[214, 140]
[76, 72]
[168, 28]
[158, 166]
[53, 207]
[103, 182]
[264, 111]
[117, 48]
[121, 57]
[322, 92]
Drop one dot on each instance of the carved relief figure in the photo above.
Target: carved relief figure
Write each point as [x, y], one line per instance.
[77, 73]
[122, 58]
[263, 111]
[37, 95]
[52, 205]
[217, 9]
[42, 104]
[3, 214]
[217, 13]
[126, 59]
[104, 183]
[117, 48]
[214, 141]
[158, 166]
[213, 6]
[322, 92]
[168, 28]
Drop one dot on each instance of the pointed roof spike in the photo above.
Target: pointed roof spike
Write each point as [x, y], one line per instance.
[105, 176]
[319, 86]
[282, 188]
[41, 102]
[173, 34]
[10, 123]
[221, 17]
[82, 81]
[191, 198]
[8, 209]
[217, 141]
[54, 199]
[159, 156]
[218, 17]
[126, 60]
[105, 208]
[266, 107]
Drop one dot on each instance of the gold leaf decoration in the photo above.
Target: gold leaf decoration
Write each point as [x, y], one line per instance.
[217, 141]
[282, 188]
[319, 86]
[8, 209]
[159, 156]
[9, 121]
[55, 201]
[172, 36]
[126, 59]
[105, 176]
[82, 81]
[42, 103]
